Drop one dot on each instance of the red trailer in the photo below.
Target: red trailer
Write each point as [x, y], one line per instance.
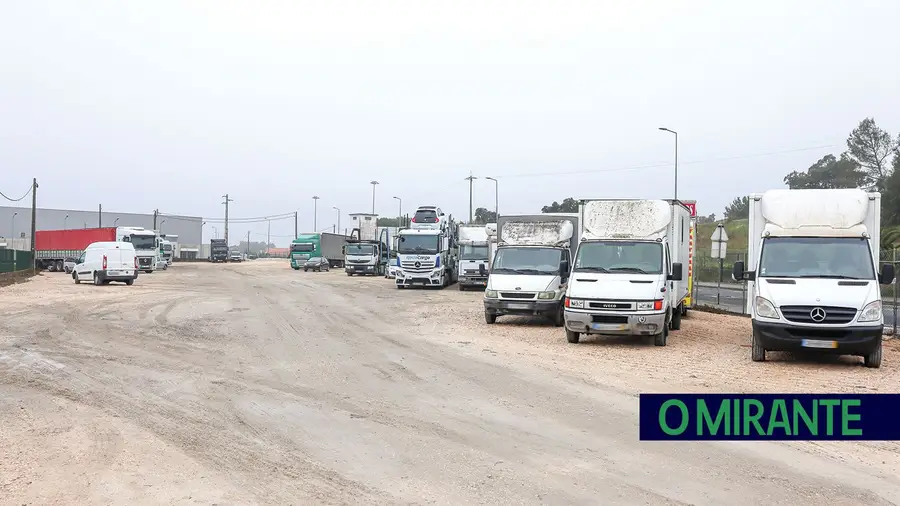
[52, 247]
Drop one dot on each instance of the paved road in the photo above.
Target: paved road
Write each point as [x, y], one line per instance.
[731, 297]
[255, 384]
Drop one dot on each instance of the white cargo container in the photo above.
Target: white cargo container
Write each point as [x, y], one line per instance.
[813, 278]
[627, 276]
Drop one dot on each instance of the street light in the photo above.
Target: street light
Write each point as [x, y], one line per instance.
[373, 183]
[399, 211]
[315, 213]
[215, 232]
[338, 217]
[664, 129]
[13, 229]
[65, 225]
[496, 198]
[160, 224]
[115, 221]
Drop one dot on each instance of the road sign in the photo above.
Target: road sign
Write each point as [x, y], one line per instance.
[719, 242]
[719, 234]
[692, 206]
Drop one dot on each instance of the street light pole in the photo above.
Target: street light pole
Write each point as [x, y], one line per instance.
[215, 232]
[373, 183]
[315, 214]
[12, 240]
[160, 224]
[664, 129]
[115, 221]
[470, 179]
[338, 216]
[399, 212]
[496, 198]
[65, 223]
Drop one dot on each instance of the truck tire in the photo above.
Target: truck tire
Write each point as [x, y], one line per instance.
[676, 317]
[60, 267]
[662, 338]
[572, 337]
[873, 360]
[559, 319]
[51, 266]
[97, 280]
[461, 287]
[489, 318]
[75, 277]
[349, 273]
[129, 282]
[757, 352]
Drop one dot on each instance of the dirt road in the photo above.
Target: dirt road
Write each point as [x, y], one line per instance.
[255, 384]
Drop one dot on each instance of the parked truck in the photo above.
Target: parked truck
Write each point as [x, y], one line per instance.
[325, 245]
[427, 251]
[366, 251]
[474, 256]
[627, 278]
[218, 250]
[531, 267]
[812, 273]
[53, 247]
[146, 246]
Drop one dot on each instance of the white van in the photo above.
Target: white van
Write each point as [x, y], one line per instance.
[103, 262]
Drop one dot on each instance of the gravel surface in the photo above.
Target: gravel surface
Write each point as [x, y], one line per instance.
[254, 384]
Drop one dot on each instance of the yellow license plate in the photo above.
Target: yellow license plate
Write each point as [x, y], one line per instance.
[815, 343]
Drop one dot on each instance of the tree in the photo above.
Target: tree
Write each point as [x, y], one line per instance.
[706, 219]
[483, 216]
[829, 172]
[871, 147]
[568, 205]
[890, 199]
[390, 222]
[738, 209]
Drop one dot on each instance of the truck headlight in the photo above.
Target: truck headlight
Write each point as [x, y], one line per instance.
[546, 295]
[871, 313]
[490, 294]
[765, 309]
[574, 303]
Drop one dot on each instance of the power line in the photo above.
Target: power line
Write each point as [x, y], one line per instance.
[260, 219]
[27, 193]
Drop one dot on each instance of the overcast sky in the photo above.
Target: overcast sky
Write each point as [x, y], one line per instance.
[170, 104]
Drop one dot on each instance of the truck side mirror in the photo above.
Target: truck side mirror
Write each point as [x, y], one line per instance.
[887, 274]
[677, 274]
[564, 269]
[343, 250]
[737, 271]
[481, 270]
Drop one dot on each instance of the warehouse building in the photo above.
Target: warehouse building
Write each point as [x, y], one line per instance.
[15, 223]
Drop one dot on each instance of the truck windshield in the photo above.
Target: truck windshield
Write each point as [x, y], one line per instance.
[470, 252]
[816, 257]
[143, 241]
[360, 249]
[423, 244]
[527, 260]
[305, 247]
[620, 257]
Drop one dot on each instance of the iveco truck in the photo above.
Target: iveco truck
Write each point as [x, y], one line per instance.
[427, 250]
[627, 276]
[474, 256]
[366, 251]
[812, 273]
[531, 267]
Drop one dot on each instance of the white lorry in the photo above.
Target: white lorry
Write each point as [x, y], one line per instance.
[531, 267]
[812, 272]
[427, 250]
[366, 250]
[146, 246]
[627, 276]
[474, 256]
[491, 230]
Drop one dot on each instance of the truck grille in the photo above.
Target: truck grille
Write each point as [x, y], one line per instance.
[145, 261]
[608, 318]
[424, 266]
[358, 261]
[611, 306]
[804, 314]
[516, 295]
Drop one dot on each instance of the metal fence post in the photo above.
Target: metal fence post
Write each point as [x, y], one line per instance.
[896, 285]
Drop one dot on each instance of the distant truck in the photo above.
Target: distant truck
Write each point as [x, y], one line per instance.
[813, 273]
[427, 252]
[474, 256]
[328, 246]
[530, 271]
[218, 250]
[367, 250]
[627, 278]
[146, 246]
[52, 247]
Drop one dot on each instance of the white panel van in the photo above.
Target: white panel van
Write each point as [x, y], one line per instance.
[103, 262]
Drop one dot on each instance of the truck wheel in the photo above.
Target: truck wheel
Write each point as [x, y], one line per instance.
[489, 318]
[661, 338]
[75, 277]
[59, 266]
[560, 318]
[873, 360]
[349, 273]
[51, 266]
[462, 288]
[129, 282]
[97, 280]
[758, 353]
[572, 337]
[676, 317]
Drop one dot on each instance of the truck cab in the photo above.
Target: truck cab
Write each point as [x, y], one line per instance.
[146, 246]
[812, 273]
[474, 256]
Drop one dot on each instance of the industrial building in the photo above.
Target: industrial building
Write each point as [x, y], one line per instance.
[15, 223]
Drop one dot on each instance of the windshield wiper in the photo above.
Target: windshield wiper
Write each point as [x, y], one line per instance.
[823, 276]
[629, 269]
[591, 269]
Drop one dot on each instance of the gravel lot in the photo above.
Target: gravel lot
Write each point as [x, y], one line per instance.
[255, 384]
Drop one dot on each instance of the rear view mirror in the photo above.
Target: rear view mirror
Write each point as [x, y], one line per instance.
[343, 250]
[737, 271]
[887, 274]
[564, 268]
[481, 270]
[676, 274]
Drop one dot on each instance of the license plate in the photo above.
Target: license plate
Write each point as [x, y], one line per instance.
[814, 343]
[608, 326]
[113, 273]
[519, 306]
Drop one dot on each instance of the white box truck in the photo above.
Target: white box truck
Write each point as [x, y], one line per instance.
[531, 267]
[474, 256]
[627, 277]
[812, 272]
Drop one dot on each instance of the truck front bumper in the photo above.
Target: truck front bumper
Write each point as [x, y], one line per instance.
[359, 269]
[609, 323]
[842, 340]
[549, 308]
[428, 278]
[472, 280]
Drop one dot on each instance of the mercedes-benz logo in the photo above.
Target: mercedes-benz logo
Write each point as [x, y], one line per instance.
[418, 264]
[817, 314]
[518, 288]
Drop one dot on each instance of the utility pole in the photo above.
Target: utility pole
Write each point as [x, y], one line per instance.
[399, 212]
[373, 183]
[155, 216]
[100, 217]
[248, 243]
[315, 214]
[496, 198]
[338, 227]
[470, 179]
[34, 187]
[268, 235]
[664, 129]
[227, 200]
[296, 234]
